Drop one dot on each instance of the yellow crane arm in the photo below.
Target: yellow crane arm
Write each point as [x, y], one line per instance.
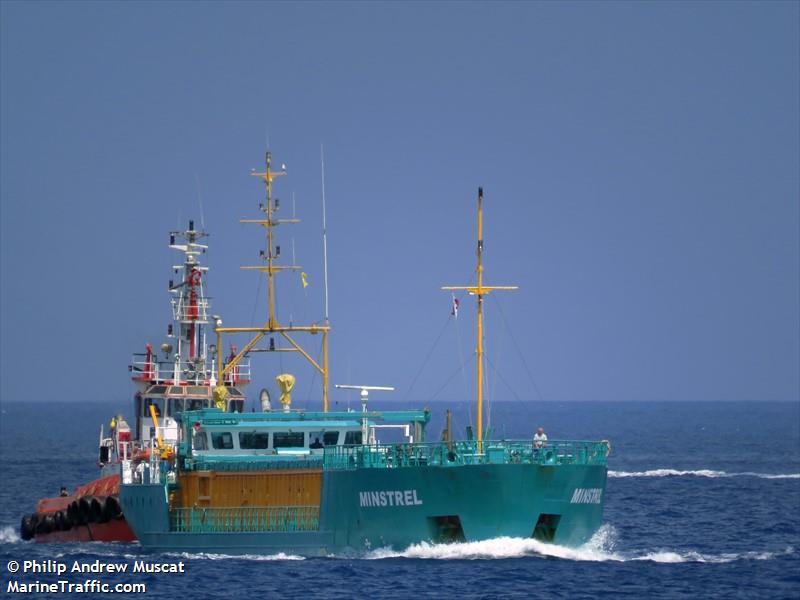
[165, 450]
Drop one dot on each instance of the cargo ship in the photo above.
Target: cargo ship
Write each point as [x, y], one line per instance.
[316, 482]
[181, 379]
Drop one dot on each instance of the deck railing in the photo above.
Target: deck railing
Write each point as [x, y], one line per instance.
[184, 311]
[244, 519]
[161, 371]
[441, 454]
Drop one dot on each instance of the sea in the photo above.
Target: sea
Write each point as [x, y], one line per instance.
[702, 501]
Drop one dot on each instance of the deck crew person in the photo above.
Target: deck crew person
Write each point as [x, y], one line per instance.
[539, 438]
[199, 440]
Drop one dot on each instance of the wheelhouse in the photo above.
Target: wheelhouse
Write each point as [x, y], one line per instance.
[211, 433]
[171, 401]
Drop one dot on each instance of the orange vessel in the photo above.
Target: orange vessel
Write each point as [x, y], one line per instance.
[182, 379]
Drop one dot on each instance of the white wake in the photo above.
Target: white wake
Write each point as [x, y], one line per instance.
[598, 549]
[9, 535]
[256, 557]
[700, 473]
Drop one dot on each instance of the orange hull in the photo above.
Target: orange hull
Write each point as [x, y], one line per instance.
[113, 531]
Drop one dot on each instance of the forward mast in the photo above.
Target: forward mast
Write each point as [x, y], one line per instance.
[480, 291]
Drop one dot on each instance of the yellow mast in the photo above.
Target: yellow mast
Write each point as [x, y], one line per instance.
[272, 325]
[480, 291]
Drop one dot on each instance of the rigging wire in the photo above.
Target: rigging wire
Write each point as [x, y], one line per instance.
[294, 216]
[314, 376]
[258, 295]
[461, 359]
[349, 378]
[427, 358]
[324, 232]
[445, 384]
[497, 374]
[433, 347]
[488, 405]
[490, 393]
[472, 280]
[458, 345]
[519, 351]
[485, 379]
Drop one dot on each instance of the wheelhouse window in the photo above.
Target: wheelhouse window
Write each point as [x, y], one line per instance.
[236, 405]
[157, 402]
[288, 439]
[319, 439]
[254, 440]
[175, 407]
[195, 404]
[222, 440]
[352, 438]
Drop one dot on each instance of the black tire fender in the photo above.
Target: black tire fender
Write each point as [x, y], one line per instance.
[85, 508]
[98, 507]
[27, 528]
[113, 507]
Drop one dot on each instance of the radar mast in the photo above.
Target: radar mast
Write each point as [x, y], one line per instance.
[272, 324]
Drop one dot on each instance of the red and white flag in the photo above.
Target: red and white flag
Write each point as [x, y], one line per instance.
[454, 310]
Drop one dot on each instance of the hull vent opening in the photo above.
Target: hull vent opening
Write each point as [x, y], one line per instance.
[446, 529]
[545, 530]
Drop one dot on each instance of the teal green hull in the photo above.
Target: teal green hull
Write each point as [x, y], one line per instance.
[363, 509]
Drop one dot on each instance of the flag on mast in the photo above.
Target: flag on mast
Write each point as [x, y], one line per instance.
[304, 279]
[454, 311]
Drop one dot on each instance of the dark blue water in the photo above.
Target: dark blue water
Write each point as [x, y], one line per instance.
[703, 501]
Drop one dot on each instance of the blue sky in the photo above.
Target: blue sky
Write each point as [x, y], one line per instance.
[639, 160]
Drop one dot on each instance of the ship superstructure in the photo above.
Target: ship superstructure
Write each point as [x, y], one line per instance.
[184, 376]
[316, 482]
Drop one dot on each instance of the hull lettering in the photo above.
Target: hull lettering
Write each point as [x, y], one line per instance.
[389, 498]
[587, 496]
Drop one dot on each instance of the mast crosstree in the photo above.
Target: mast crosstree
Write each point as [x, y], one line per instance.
[480, 291]
[272, 324]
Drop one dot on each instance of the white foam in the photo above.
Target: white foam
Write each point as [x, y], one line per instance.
[700, 473]
[256, 557]
[771, 476]
[9, 535]
[665, 556]
[600, 548]
[668, 473]
[596, 549]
